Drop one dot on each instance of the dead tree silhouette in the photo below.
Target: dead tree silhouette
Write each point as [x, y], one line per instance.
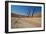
[33, 12]
[30, 12]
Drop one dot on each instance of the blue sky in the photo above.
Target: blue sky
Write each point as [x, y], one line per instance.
[22, 10]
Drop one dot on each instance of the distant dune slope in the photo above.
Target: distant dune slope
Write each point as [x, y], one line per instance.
[17, 15]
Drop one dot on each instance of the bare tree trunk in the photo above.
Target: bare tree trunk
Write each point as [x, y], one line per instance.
[28, 13]
[33, 12]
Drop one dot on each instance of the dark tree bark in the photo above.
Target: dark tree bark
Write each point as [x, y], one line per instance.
[33, 12]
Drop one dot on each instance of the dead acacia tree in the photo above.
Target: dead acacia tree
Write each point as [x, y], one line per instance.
[30, 12]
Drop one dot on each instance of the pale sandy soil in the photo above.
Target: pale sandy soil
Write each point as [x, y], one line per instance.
[25, 22]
